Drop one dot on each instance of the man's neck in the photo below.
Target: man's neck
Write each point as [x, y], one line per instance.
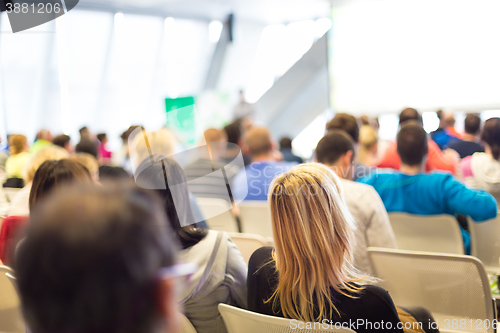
[469, 137]
[411, 169]
[262, 158]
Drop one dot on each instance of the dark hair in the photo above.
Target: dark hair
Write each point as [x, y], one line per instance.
[101, 137]
[90, 261]
[491, 135]
[162, 175]
[113, 173]
[127, 133]
[333, 146]
[86, 146]
[51, 175]
[61, 140]
[286, 143]
[233, 132]
[345, 122]
[83, 129]
[409, 114]
[472, 123]
[412, 143]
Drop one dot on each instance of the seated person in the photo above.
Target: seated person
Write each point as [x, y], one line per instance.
[349, 124]
[98, 259]
[482, 170]
[415, 192]
[446, 133]
[286, 150]
[221, 274]
[252, 183]
[19, 157]
[336, 151]
[469, 143]
[309, 276]
[436, 160]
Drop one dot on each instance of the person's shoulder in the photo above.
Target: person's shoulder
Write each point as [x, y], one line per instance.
[379, 175]
[261, 256]
[358, 189]
[456, 144]
[376, 294]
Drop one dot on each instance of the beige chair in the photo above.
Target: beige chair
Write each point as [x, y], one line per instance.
[256, 218]
[185, 325]
[451, 287]
[217, 213]
[430, 233]
[248, 243]
[485, 242]
[243, 321]
[11, 319]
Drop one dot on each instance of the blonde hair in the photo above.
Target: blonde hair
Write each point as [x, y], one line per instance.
[160, 142]
[367, 140]
[313, 235]
[17, 143]
[89, 162]
[45, 154]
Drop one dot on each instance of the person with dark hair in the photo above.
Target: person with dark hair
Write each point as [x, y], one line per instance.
[469, 143]
[107, 172]
[446, 132]
[221, 274]
[349, 124]
[99, 259]
[482, 170]
[87, 146]
[446, 160]
[63, 141]
[336, 151]
[415, 192]
[234, 138]
[51, 175]
[286, 150]
[104, 153]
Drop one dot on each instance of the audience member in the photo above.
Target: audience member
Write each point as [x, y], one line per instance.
[104, 153]
[349, 124]
[446, 132]
[469, 143]
[336, 150]
[63, 141]
[121, 158]
[85, 134]
[98, 259]
[205, 176]
[368, 146]
[286, 150]
[87, 146]
[234, 143]
[309, 276]
[89, 162]
[43, 139]
[160, 143]
[107, 172]
[19, 157]
[415, 192]
[436, 160]
[221, 274]
[252, 183]
[482, 170]
[243, 109]
[19, 205]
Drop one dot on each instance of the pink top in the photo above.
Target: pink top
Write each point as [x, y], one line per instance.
[466, 167]
[103, 152]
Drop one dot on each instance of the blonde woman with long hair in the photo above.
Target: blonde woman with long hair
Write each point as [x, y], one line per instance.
[309, 276]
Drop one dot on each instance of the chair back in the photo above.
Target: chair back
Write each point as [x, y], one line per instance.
[451, 287]
[248, 243]
[11, 319]
[217, 213]
[243, 321]
[256, 218]
[185, 325]
[429, 233]
[485, 242]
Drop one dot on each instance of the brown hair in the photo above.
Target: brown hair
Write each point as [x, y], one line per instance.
[52, 174]
[491, 135]
[258, 141]
[345, 122]
[17, 143]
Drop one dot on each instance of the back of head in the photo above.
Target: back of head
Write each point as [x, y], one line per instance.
[107, 172]
[84, 133]
[161, 142]
[333, 146]
[412, 143]
[166, 177]
[90, 261]
[44, 135]
[491, 136]
[286, 143]
[472, 124]
[61, 140]
[367, 137]
[101, 137]
[17, 143]
[258, 141]
[45, 154]
[86, 146]
[313, 234]
[409, 114]
[214, 135]
[88, 161]
[449, 119]
[51, 175]
[345, 122]
[233, 132]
